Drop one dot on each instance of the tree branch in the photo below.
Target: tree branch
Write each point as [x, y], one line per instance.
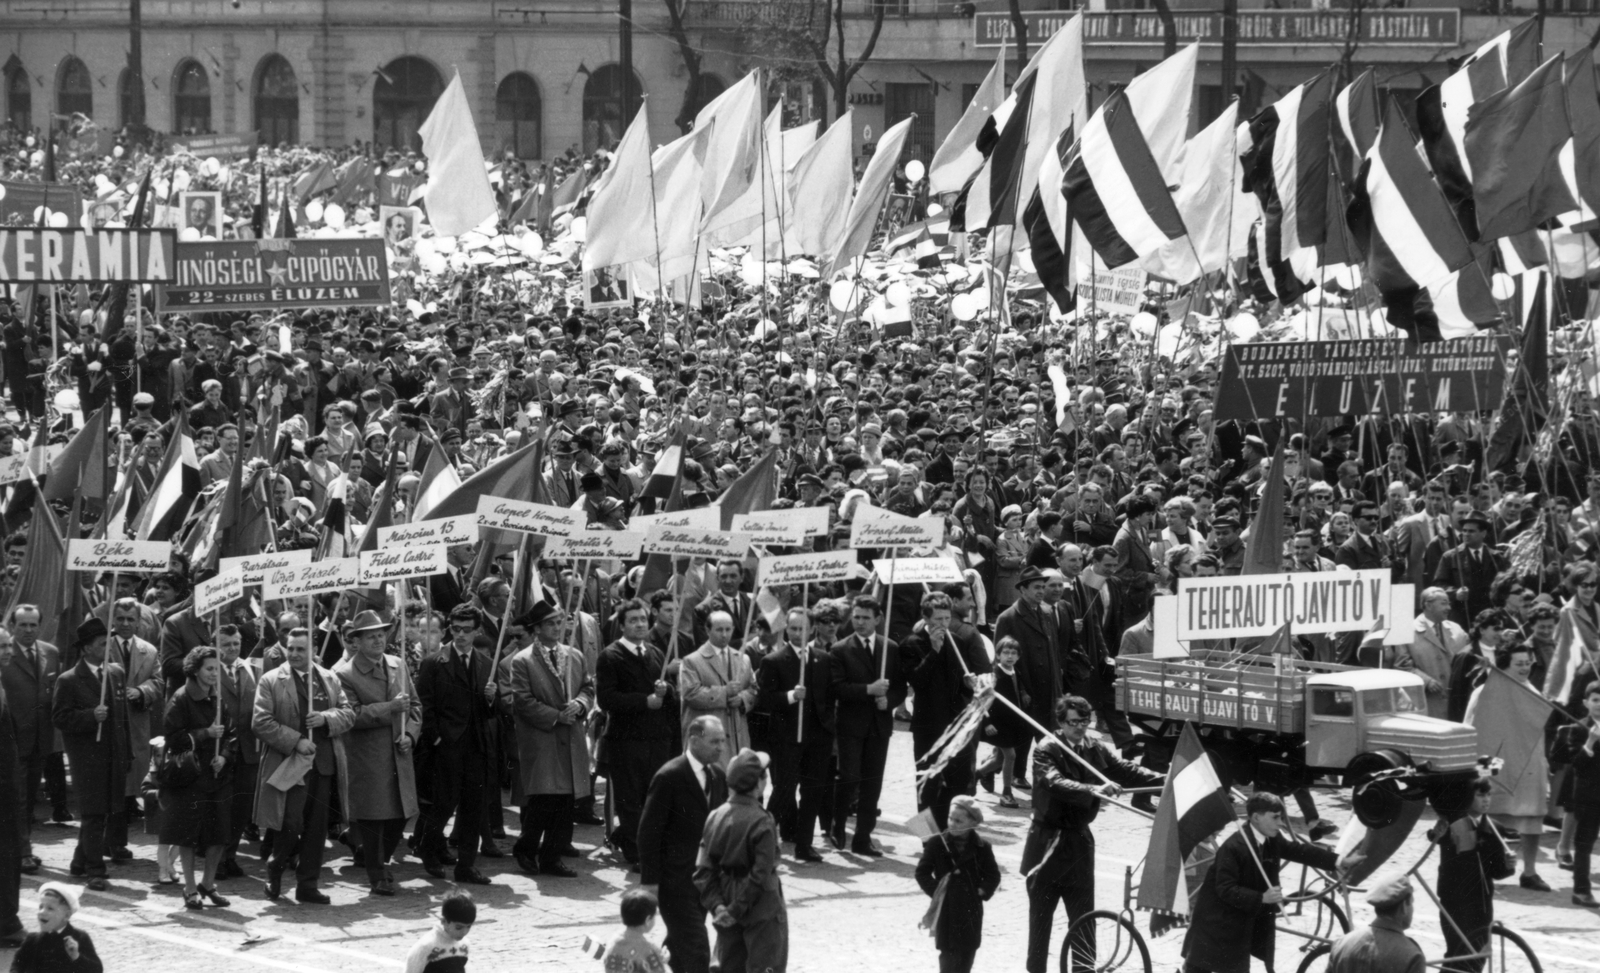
[691, 61]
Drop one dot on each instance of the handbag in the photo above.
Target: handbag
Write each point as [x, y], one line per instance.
[178, 770]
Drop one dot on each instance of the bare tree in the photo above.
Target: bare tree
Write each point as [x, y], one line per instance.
[691, 63]
[1019, 33]
[804, 41]
[838, 74]
[1169, 28]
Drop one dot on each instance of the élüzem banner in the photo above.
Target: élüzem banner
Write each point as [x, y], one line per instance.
[1261, 380]
[272, 274]
[42, 255]
[1260, 604]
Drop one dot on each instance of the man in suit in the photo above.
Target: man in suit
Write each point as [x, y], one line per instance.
[238, 684]
[29, 680]
[730, 578]
[1233, 914]
[1366, 549]
[1038, 630]
[641, 719]
[682, 794]
[1417, 534]
[868, 681]
[1133, 567]
[1467, 572]
[1059, 854]
[143, 691]
[944, 676]
[96, 739]
[795, 692]
[183, 630]
[450, 407]
[459, 695]
[1435, 643]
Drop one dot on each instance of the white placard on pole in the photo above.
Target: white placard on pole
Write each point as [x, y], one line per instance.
[253, 568]
[806, 568]
[699, 518]
[391, 563]
[874, 528]
[1164, 628]
[449, 531]
[211, 594]
[918, 570]
[1402, 614]
[529, 518]
[597, 545]
[774, 527]
[87, 554]
[696, 542]
[318, 577]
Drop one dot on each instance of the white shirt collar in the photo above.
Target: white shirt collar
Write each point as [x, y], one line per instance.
[698, 768]
[1261, 839]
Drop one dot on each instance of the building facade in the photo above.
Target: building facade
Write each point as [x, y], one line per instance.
[544, 76]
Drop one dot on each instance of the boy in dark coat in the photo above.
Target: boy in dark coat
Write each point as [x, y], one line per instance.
[1233, 913]
[1472, 856]
[966, 860]
[1578, 745]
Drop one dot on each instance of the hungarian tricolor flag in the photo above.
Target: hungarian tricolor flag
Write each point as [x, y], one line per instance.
[177, 484]
[1194, 807]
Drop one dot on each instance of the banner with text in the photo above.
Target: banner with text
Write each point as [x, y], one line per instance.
[220, 146]
[700, 518]
[530, 518]
[449, 531]
[917, 570]
[15, 466]
[240, 275]
[106, 555]
[771, 527]
[403, 562]
[1380, 376]
[318, 577]
[1260, 604]
[876, 528]
[1440, 27]
[42, 255]
[596, 545]
[254, 567]
[696, 542]
[805, 568]
[216, 592]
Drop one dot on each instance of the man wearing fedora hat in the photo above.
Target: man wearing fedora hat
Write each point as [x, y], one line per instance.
[450, 407]
[388, 723]
[552, 694]
[91, 711]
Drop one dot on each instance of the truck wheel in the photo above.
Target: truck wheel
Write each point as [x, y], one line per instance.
[1376, 803]
[1364, 766]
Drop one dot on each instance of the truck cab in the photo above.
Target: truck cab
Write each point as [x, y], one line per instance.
[1371, 712]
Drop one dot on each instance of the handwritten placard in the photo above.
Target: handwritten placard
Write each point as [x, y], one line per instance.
[212, 594]
[448, 531]
[691, 542]
[253, 568]
[700, 518]
[297, 581]
[594, 545]
[530, 518]
[771, 527]
[108, 555]
[805, 568]
[15, 466]
[917, 570]
[813, 520]
[385, 564]
[871, 527]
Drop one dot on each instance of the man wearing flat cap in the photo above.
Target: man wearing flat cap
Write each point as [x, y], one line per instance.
[552, 695]
[1468, 571]
[95, 734]
[383, 787]
[737, 874]
[1382, 947]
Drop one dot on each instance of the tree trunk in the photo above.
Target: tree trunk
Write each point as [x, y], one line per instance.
[691, 64]
[1019, 33]
[1169, 28]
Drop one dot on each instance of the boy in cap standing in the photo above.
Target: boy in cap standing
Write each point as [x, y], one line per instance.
[737, 875]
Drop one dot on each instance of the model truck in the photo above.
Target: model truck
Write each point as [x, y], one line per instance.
[1281, 723]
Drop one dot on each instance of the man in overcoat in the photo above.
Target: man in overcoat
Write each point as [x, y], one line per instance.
[388, 723]
[29, 680]
[91, 712]
[238, 684]
[145, 691]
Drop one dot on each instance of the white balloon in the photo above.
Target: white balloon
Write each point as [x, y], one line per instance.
[59, 219]
[898, 294]
[2, 191]
[181, 180]
[314, 210]
[844, 295]
[1144, 323]
[103, 184]
[67, 401]
[981, 296]
[189, 234]
[29, 142]
[41, 215]
[211, 166]
[765, 329]
[579, 228]
[1243, 326]
[333, 215]
[915, 170]
[964, 307]
[1502, 287]
[433, 263]
[117, 151]
[934, 209]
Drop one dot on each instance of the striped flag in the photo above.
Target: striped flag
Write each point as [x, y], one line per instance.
[1209, 198]
[1510, 717]
[1356, 108]
[1194, 807]
[177, 484]
[439, 480]
[1049, 229]
[959, 158]
[1115, 190]
[1513, 141]
[1287, 167]
[989, 199]
[664, 475]
[1573, 649]
[334, 541]
[592, 948]
[1580, 157]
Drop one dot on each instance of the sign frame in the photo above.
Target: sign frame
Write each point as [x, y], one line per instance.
[104, 554]
[254, 567]
[815, 567]
[254, 275]
[73, 255]
[1315, 602]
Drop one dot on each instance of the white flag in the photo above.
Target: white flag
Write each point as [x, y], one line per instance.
[458, 196]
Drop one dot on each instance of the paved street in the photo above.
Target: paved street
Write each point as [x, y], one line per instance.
[845, 915]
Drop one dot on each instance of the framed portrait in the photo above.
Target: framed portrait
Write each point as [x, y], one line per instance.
[201, 211]
[608, 287]
[399, 226]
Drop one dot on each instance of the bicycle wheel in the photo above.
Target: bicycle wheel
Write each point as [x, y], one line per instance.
[1308, 922]
[1106, 942]
[1510, 953]
[1316, 959]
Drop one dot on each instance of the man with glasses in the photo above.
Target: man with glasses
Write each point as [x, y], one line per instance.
[1468, 571]
[1059, 854]
[1366, 549]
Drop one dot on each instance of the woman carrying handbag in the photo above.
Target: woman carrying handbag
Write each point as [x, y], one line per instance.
[196, 776]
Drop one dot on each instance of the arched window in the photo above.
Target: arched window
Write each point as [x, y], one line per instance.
[401, 99]
[517, 112]
[605, 116]
[706, 91]
[191, 100]
[73, 89]
[130, 99]
[277, 101]
[19, 96]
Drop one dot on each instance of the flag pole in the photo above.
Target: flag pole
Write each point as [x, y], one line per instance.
[1073, 754]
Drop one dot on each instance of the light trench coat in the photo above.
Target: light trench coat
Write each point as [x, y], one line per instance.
[276, 717]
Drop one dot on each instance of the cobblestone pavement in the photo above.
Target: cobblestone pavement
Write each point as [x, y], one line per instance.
[848, 914]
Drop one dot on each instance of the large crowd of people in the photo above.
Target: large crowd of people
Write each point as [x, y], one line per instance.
[697, 723]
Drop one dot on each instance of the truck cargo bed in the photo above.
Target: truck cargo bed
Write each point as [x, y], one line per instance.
[1219, 688]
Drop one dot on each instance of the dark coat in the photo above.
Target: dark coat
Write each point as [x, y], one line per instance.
[852, 665]
[936, 674]
[1581, 785]
[1230, 922]
[673, 820]
[1040, 664]
[1471, 859]
[779, 673]
[44, 952]
[29, 688]
[99, 767]
[1360, 553]
[455, 714]
[974, 877]
[623, 681]
[1459, 569]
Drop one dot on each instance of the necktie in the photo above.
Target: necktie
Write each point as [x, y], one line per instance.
[555, 664]
[1438, 628]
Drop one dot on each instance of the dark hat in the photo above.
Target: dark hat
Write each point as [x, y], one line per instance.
[1342, 432]
[1478, 520]
[366, 621]
[450, 434]
[565, 447]
[591, 481]
[1232, 522]
[1390, 892]
[90, 630]
[541, 612]
[1257, 442]
[461, 373]
[810, 479]
[745, 770]
[1030, 575]
[569, 408]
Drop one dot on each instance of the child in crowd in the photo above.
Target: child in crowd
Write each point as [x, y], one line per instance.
[58, 946]
[1004, 730]
[443, 949]
[631, 952]
[959, 872]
